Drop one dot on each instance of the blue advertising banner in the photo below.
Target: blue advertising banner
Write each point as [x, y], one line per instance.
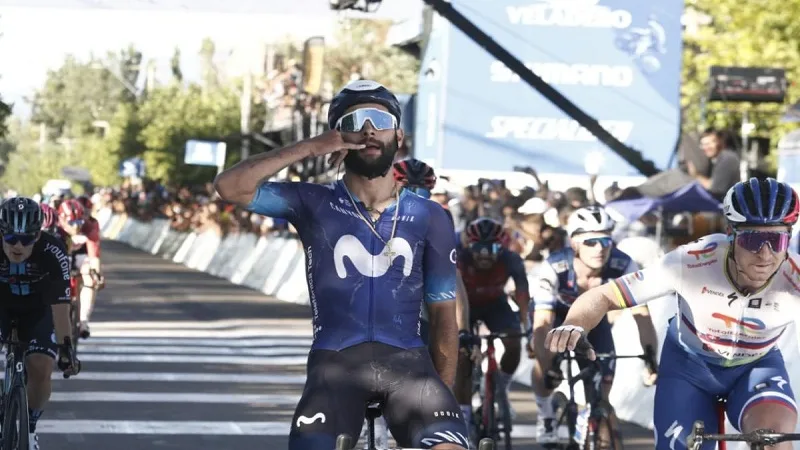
[132, 167]
[619, 60]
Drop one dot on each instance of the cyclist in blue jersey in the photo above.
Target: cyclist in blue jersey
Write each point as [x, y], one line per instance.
[736, 295]
[420, 178]
[590, 260]
[374, 255]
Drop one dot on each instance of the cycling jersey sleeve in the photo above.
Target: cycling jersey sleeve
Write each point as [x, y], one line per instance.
[632, 267]
[281, 200]
[516, 269]
[92, 234]
[546, 288]
[439, 260]
[56, 263]
[656, 281]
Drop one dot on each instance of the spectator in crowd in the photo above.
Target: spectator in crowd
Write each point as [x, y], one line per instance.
[724, 171]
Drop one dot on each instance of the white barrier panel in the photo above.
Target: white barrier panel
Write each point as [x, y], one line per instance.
[275, 266]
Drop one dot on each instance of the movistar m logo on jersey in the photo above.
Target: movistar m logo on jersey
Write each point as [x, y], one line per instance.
[367, 264]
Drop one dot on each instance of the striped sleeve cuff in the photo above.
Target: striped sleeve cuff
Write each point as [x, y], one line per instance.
[623, 294]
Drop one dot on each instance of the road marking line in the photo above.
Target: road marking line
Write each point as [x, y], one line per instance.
[190, 428]
[257, 342]
[247, 333]
[201, 324]
[193, 350]
[162, 427]
[197, 359]
[175, 397]
[185, 377]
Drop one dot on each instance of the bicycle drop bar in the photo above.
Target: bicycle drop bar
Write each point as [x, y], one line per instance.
[756, 439]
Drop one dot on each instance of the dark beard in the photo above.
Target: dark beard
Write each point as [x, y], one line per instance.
[355, 163]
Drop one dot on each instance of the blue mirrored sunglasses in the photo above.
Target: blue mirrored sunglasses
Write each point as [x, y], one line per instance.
[604, 242]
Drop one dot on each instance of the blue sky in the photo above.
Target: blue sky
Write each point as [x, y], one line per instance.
[38, 34]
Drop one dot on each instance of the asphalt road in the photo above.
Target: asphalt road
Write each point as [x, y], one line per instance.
[182, 360]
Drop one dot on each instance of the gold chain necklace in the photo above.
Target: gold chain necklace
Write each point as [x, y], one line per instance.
[388, 245]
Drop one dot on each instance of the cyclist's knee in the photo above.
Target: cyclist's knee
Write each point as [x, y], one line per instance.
[512, 345]
[779, 416]
[39, 367]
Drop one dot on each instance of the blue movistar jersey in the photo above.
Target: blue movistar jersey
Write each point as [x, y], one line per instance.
[557, 285]
[360, 288]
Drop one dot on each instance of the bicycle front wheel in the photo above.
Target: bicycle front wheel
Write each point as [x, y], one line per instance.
[503, 425]
[601, 434]
[15, 421]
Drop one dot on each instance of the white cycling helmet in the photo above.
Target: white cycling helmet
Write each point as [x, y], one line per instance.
[590, 218]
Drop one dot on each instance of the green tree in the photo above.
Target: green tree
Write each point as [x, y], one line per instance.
[171, 115]
[79, 95]
[5, 113]
[208, 69]
[745, 34]
[32, 163]
[175, 65]
[361, 47]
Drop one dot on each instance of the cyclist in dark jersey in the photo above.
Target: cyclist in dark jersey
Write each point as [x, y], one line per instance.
[374, 255]
[487, 265]
[34, 292]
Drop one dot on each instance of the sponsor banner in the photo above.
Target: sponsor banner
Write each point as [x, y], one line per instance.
[619, 60]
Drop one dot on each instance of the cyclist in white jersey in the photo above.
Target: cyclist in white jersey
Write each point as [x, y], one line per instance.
[736, 293]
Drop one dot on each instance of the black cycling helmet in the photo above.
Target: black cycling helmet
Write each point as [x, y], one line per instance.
[20, 215]
[360, 92]
[414, 173]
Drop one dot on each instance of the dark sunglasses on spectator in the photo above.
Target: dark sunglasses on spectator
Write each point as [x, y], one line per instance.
[604, 242]
[75, 222]
[485, 248]
[354, 121]
[24, 239]
[421, 191]
[753, 240]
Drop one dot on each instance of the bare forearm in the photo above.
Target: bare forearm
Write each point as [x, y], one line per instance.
[543, 355]
[61, 321]
[462, 304]
[590, 307]
[239, 183]
[444, 348]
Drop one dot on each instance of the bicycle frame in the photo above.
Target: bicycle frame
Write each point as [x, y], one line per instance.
[488, 383]
[592, 385]
[15, 366]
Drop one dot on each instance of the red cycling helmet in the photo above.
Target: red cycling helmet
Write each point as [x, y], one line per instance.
[486, 230]
[71, 210]
[414, 173]
[49, 217]
[86, 203]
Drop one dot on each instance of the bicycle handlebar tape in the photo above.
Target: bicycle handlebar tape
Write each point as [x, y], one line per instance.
[344, 442]
[486, 444]
[583, 346]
